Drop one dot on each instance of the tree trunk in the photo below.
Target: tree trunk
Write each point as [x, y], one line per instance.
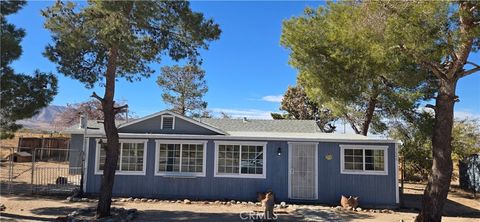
[372, 102]
[436, 192]
[112, 150]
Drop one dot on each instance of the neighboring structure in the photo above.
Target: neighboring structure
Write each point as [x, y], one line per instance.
[166, 155]
[20, 157]
[469, 173]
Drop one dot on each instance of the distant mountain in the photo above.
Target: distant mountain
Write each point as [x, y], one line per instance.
[44, 119]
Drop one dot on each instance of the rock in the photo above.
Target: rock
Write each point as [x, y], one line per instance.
[136, 200]
[217, 202]
[143, 199]
[172, 201]
[111, 219]
[229, 203]
[206, 202]
[250, 203]
[187, 201]
[156, 200]
[149, 200]
[74, 213]
[130, 217]
[130, 199]
[85, 199]
[113, 200]
[358, 209]
[258, 204]
[69, 198]
[283, 205]
[132, 211]
[178, 201]
[338, 208]
[244, 203]
[76, 199]
[238, 202]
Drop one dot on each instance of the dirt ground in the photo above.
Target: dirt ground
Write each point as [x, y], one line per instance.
[461, 207]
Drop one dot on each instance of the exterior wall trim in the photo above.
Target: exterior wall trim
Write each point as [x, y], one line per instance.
[227, 137]
[173, 121]
[239, 175]
[397, 195]
[122, 140]
[85, 162]
[180, 174]
[175, 115]
[363, 147]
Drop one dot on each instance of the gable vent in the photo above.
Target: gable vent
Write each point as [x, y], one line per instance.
[167, 122]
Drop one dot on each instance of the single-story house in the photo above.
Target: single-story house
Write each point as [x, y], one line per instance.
[167, 155]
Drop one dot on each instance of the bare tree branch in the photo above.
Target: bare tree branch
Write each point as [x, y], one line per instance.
[431, 106]
[468, 72]
[474, 64]
[120, 109]
[94, 95]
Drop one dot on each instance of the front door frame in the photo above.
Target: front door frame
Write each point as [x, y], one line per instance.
[290, 156]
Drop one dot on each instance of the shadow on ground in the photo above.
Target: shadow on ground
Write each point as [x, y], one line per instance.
[413, 203]
[330, 215]
[16, 217]
[159, 215]
[53, 211]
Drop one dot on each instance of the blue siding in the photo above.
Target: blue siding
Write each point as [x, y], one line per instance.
[376, 190]
[153, 125]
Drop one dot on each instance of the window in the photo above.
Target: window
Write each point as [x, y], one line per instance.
[240, 159]
[131, 160]
[168, 122]
[182, 158]
[358, 159]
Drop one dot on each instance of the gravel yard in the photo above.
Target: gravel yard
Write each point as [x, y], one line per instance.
[460, 207]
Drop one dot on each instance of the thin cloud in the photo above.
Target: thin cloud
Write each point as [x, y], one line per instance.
[273, 98]
[466, 114]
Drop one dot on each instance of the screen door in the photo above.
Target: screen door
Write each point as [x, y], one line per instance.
[303, 171]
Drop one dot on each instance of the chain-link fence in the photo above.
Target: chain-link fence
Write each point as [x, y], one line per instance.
[40, 170]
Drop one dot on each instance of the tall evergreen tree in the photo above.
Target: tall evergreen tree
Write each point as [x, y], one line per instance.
[22, 96]
[298, 106]
[439, 37]
[104, 41]
[184, 88]
[343, 65]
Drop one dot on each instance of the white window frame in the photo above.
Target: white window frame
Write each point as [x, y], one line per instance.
[168, 116]
[121, 141]
[239, 174]
[180, 174]
[363, 148]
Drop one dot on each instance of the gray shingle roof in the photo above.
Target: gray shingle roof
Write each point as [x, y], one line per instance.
[257, 125]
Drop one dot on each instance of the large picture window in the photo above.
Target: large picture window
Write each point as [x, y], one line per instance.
[185, 158]
[131, 158]
[240, 159]
[358, 159]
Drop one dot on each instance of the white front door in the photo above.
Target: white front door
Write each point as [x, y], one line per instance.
[302, 164]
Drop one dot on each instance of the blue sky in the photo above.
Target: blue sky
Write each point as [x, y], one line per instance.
[246, 69]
